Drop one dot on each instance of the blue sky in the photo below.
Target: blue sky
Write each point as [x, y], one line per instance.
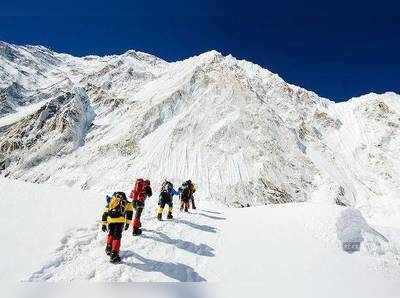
[338, 49]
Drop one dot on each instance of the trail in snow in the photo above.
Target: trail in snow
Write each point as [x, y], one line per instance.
[171, 250]
[34, 219]
[302, 243]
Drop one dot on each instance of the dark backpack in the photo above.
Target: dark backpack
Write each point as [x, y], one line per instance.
[166, 185]
[185, 191]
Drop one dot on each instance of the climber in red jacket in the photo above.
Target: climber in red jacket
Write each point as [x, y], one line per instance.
[140, 192]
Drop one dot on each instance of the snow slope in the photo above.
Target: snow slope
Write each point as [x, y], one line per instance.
[35, 218]
[297, 243]
[302, 244]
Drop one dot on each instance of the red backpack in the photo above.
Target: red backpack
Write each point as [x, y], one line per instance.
[137, 191]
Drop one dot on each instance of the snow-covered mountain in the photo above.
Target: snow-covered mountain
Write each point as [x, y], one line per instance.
[243, 134]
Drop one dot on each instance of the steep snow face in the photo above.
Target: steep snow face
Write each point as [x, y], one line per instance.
[242, 133]
[361, 157]
[24, 72]
[26, 65]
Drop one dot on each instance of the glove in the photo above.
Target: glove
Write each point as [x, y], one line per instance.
[126, 226]
[104, 228]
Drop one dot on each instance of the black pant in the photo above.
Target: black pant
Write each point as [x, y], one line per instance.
[165, 201]
[192, 201]
[138, 205]
[184, 203]
[115, 230]
[138, 212]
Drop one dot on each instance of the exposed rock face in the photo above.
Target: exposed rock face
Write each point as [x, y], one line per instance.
[239, 131]
[56, 129]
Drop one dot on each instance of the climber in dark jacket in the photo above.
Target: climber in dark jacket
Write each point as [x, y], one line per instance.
[166, 195]
[187, 190]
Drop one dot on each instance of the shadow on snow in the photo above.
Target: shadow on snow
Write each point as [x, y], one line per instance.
[209, 211]
[177, 271]
[212, 217]
[201, 249]
[204, 228]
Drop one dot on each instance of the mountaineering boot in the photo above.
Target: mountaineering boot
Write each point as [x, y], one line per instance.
[110, 240]
[108, 249]
[136, 232]
[192, 203]
[136, 227]
[114, 257]
[169, 216]
[159, 213]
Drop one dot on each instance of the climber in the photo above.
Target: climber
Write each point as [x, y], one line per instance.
[192, 188]
[166, 194]
[186, 193]
[116, 217]
[139, 193]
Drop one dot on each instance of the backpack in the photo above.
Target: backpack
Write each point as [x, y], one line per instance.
[189, 184]
[117, 204]
[185, 190]
[138, 189]
[166, 185]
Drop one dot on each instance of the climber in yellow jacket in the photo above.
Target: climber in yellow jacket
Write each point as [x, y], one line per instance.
[116, 217]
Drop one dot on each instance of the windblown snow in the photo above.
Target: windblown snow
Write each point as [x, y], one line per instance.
[244, 135]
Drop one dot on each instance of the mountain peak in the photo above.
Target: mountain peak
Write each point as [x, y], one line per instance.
[245, 135]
